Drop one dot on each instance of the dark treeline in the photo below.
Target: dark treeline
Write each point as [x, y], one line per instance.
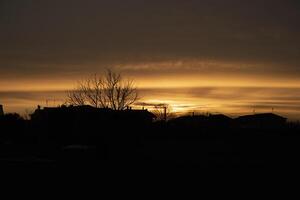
[84, 135]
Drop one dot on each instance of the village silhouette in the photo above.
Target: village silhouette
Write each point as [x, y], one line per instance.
[89, 136]
[140, 85]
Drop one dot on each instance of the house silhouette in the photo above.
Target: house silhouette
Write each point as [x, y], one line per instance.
[263, 120]
[202, 121]
[88, 115]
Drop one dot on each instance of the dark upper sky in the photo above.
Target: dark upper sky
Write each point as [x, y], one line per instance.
[67, 38]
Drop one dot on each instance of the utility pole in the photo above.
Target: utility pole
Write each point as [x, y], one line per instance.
[165, 113]
[1, 110]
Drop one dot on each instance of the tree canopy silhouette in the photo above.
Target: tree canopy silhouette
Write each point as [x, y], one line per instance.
[107, 91]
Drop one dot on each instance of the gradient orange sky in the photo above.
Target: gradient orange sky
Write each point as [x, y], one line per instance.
[61, 39]
[50, 44]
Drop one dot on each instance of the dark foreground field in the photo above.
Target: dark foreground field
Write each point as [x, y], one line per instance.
[115, 140]
[241, 150]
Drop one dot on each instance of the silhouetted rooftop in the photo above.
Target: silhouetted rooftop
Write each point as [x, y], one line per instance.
[89, 110]
[220, 117]
[261, 116]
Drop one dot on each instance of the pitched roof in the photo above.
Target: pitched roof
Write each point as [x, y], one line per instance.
[261, 116]
[220, 117]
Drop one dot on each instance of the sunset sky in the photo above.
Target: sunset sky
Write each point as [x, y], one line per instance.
[50, 44]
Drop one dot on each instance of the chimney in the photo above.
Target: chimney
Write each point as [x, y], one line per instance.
[1, 110]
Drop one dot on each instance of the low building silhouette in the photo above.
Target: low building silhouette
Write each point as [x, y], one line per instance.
[263, 120]
[219, 119]
[86, 111]
[87, 125]
[88, 118]
[202, 121]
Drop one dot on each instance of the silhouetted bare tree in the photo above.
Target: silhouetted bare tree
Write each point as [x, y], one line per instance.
[76, 97]
[119, 93]
[108, 91]
[93, 91]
